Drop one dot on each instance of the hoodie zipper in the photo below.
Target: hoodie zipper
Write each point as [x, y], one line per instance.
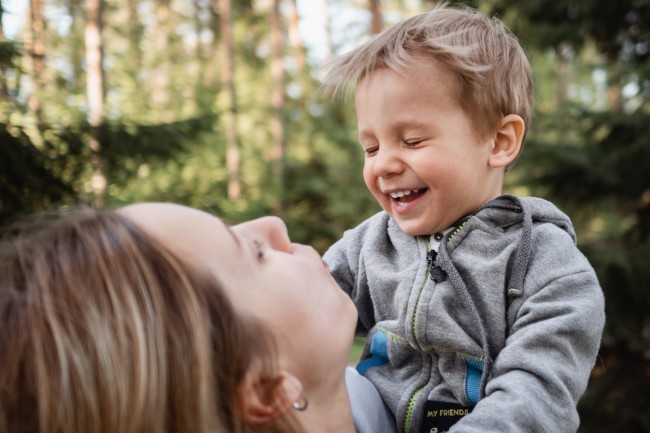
[457, 230]
[409, 409]
[417, 303]
[430, 260]
[411, 404]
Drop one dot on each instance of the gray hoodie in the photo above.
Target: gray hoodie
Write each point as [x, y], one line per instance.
[505, 319]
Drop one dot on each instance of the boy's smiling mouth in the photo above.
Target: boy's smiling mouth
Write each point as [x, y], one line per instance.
[407, 195]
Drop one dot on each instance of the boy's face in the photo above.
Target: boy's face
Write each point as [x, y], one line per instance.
[425, 164]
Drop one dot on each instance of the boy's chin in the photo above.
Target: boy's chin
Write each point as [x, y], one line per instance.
[410, 228]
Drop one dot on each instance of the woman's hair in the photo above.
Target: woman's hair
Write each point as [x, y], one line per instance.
[103, 330]
[492, 69]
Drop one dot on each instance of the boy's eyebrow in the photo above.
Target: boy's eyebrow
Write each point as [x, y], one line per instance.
[399, 125]
[410, 123]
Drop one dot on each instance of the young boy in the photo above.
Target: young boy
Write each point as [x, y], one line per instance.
[480, 311]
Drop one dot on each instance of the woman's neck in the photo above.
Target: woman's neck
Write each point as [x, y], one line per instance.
[329, 407]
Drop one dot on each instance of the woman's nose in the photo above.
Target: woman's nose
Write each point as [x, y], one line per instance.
[272, 230]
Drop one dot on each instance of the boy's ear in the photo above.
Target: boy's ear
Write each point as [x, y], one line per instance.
[507, 141]
[261, 401]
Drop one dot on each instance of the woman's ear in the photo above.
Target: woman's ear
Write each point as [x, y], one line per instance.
[507, 141]
[261, 400]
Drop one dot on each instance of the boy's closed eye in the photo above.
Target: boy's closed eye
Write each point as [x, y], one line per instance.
[413, 142]
[369, 148]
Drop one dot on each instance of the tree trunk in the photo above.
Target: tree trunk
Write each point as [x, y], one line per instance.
[199, 58]
[37, 51]
[614, 92]
[95, 94]
[563, 72]
[4, 87]
[296, 38]
[76, 13]
[329, 44]
[160, 78]
[277, 102]
[375, 12]
[228, 79]
[137, 103]
[213, 76]
[614, 97]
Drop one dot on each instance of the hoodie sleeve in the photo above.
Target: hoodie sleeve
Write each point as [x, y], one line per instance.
[554, 335]
[346, 264]
[338, 261]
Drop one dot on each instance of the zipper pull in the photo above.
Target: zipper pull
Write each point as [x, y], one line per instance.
[431, 257]
[437, 274]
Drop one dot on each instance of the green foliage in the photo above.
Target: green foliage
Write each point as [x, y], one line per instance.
[129, 145]
[607, 161]
[36, 177]
[616, 401]
[603, 183]
[193, 175]
[163, 140]
[10, 51]
[590, 155]
[325, 193]
[52, 169]
[619, 29]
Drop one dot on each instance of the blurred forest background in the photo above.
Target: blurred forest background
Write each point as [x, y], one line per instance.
[216, 104]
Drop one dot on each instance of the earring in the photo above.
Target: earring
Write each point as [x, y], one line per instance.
[301, 404]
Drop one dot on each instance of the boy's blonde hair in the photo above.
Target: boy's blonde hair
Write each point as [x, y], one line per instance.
[492, 69]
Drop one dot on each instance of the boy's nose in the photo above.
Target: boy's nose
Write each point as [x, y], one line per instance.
[272, 230]
[386, 163]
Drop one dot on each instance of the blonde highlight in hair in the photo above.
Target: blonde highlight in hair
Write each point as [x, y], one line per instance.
[492, 69]
[103, 330]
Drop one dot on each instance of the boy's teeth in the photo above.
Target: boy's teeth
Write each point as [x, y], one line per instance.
[402, 193]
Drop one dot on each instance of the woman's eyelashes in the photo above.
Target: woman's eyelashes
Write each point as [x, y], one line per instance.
[259, 249]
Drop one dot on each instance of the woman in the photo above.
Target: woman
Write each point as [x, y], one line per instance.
[160, 318]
